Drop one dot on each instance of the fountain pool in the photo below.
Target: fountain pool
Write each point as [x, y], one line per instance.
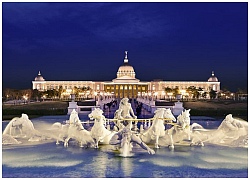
[48, 160]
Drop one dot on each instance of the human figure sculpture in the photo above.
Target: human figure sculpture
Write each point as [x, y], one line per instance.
[125, 111]
[125, 137]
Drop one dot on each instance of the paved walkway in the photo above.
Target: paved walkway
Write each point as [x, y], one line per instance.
[109, 113]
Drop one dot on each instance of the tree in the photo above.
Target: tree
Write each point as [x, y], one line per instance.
[168, 90]
[176, 91]
[76, 91]
[204, 95]
[212, 94]
[7, 94]
[51, 93]
[192, 90]
[60, 91]
[36, 94]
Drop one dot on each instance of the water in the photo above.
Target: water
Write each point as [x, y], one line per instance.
[48, 160]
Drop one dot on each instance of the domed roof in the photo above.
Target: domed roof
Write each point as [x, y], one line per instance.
[213, 78]
[39, 77]
[126, 69]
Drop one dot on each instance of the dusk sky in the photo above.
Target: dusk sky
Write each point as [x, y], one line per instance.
[86, 41]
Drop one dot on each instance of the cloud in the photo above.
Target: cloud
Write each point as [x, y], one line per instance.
[105, 20]
[22, 14]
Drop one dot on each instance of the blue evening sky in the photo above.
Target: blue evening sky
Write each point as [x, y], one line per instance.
[86, 41]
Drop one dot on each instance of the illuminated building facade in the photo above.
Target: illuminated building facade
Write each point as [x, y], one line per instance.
[126, 85]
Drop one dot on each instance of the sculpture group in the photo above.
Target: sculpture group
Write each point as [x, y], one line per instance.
[125, 134]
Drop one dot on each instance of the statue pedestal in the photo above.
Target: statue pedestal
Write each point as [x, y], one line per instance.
[178, 108]
[72, 105]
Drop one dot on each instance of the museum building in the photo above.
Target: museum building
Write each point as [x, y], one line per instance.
[126, 84]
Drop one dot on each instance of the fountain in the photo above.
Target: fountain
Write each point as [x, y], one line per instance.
[111, 136]
[21, 128]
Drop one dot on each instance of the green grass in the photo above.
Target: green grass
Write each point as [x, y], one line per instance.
[198, 108]
[35, 109]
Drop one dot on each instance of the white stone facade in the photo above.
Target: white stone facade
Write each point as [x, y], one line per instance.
[126, 85]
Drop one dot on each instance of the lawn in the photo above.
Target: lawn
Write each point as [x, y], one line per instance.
[198, 108]
[35, 109]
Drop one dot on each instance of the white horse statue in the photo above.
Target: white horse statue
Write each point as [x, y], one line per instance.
[98, 132]
[60, 131]
[21, 127]
[76, 131]
[73, 129]
[231, 132]
[182, 129]
[157, 129]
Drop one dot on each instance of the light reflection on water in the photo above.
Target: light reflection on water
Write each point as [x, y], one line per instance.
[50, 160]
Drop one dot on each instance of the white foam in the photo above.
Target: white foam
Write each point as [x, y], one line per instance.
[22, 159]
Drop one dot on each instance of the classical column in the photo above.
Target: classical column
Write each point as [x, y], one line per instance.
[118, 91]
[128, 91]
[132, 91]
[123, 91]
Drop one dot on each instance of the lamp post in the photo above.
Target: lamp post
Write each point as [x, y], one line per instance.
[149, 95]
[163, 95]
[95, 93]
[155, 95]
[101, 93]
[183, 92]
[169, 96]
[25, 99]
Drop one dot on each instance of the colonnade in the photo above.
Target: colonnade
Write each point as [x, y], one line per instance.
[126, 90]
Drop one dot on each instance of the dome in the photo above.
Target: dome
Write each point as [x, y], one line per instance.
[39, 77]
[126, 69]
[213, 78]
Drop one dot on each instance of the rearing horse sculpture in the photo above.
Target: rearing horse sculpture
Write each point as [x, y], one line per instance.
[98, 132]
[182, 129]
[157, 129]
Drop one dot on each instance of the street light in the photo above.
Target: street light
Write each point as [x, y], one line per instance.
[163, 95]
[95, 93]
[149, 94]
[25, 98]
[169, 96]
[101, 93]
[233, 95]
[156, 94]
